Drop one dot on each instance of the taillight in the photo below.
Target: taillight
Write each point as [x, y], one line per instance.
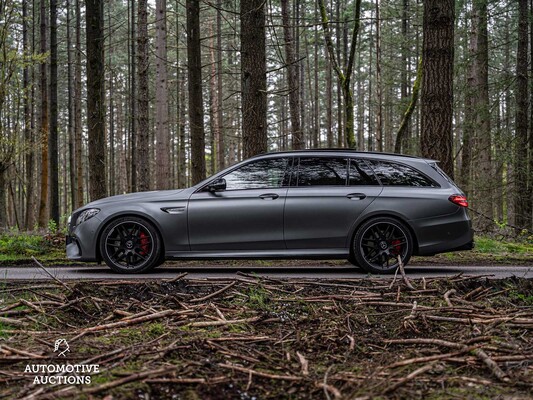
[459, 200]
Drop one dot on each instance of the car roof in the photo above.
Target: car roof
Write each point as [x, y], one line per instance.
[337, 151]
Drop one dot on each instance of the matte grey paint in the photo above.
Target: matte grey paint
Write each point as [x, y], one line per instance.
[288, 222]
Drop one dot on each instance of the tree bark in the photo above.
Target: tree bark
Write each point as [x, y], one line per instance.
[77, 111]
[379, 89]
[161, 99]
[196, 105]
[484, 192]
[28, 122]
[253, 78]
[143, 135]
[521, 118]
[70, 111]
[437, 82]
[96, 99]
[52, 138]
[43, 126]
[220, 119]
[293, 80]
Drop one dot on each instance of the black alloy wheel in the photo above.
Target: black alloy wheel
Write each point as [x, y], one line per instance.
[130, 245]
[378, 243]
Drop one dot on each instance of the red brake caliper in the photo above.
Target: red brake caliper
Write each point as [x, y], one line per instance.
[144, 243]
[397, 248]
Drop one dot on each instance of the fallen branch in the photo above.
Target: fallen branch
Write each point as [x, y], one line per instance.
[259, 373]
[51, 275]
[408, 378]
[214, 294]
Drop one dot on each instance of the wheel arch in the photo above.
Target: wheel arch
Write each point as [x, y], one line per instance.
[114, 217]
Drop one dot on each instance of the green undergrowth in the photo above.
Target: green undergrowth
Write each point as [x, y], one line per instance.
[17, 249]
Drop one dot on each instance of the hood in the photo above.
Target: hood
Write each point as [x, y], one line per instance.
[134, 197]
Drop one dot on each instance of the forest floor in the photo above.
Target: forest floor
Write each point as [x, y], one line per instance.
[261, 338]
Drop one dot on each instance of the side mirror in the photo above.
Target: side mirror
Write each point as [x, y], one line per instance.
[217, 185]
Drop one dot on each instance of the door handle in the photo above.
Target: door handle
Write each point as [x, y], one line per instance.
[269, 196]
[356, 196]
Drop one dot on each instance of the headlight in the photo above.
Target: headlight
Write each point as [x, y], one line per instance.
[86, 214]
[69, 219]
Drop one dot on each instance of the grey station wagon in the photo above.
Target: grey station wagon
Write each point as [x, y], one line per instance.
[369, 208]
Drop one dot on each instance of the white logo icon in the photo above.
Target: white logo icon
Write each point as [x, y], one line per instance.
[61, 343]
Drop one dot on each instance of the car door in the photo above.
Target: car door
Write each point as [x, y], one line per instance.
[247, 215]
[325, 199]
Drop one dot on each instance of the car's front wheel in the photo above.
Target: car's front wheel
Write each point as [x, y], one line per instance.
[130, 245]
[378, 242]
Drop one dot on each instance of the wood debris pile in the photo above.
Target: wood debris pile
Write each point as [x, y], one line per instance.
[252, 337]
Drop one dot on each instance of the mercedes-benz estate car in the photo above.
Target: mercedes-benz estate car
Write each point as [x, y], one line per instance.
[373, 209]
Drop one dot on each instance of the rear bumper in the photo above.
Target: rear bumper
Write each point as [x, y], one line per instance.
[444, 234]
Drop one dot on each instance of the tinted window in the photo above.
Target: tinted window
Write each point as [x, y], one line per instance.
[258, 175]
[314, 171]
[361, 173]
[393, 174]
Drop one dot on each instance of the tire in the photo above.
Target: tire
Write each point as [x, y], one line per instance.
[378, 242]
[130, 245]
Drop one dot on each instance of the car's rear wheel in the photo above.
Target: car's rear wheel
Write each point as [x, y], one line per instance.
[378, 242]
[130, 245]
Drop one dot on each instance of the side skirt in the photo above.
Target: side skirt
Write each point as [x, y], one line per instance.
[261, 254]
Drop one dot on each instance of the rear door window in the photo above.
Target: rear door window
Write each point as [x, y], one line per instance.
[395, 174]
[322, 171]
[361, 174]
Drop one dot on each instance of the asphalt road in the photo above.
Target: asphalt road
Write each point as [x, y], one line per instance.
[309, 272]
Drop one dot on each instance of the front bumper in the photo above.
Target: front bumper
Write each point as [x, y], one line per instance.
[82, 240]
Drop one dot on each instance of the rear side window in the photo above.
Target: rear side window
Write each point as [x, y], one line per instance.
[315, 171]
[361, 174]
[393, 174]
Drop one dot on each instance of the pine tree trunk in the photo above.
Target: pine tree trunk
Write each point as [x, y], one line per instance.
[220, 119]
[196, 106]
[292, 78]
[52, 138]
[143, 135]
[133, 104]
[28, 122]
[379, 89]
[521, 118]
[43, 126]
[77, 111]
[96, 99]
[437, 82]
[112, 150]
[70, 105]
[253, 78]
[161, 99]
[483, 129]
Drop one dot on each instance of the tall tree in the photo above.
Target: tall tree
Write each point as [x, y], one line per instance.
[43, 123]
[28, 121]
[293, 80]
[77, 110]
[221, 151]
[484, 185]
[253, 78]
[70, 112]
[52, 138]
[344, 75]
[143, 101]
[379, 88]
[437, 82]
[95, 98]
[521, 196]
[196, 107]
[161, 99]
